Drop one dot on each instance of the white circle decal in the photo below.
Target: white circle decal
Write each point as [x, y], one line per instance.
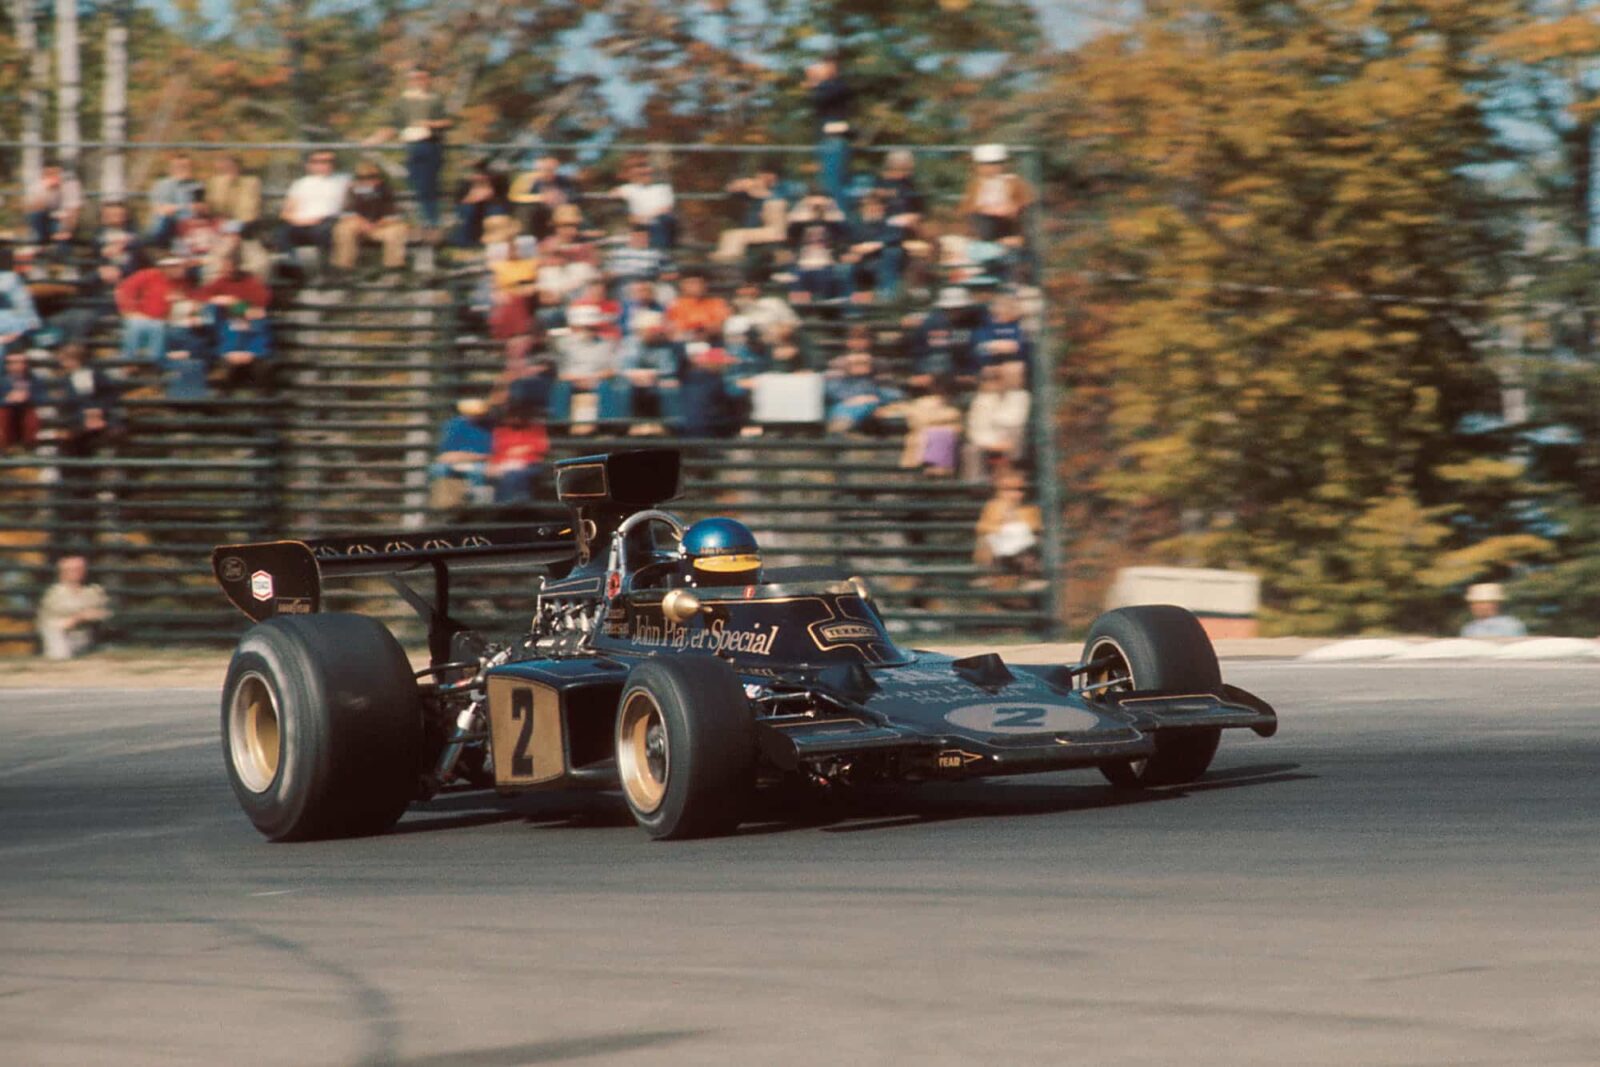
[1023, 718]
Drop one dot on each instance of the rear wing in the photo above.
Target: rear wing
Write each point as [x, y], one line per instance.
[285, 577]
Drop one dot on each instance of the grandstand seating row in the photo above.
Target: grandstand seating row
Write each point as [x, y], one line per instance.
[366, 374]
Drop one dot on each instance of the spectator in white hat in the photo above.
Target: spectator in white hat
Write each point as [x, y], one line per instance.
[1484, 600]
[996, 197]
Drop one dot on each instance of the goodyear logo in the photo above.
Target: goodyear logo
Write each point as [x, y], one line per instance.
[839, 632]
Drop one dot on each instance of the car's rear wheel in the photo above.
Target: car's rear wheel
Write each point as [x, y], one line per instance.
[685, 745]
[321, 727]
[1164, 647]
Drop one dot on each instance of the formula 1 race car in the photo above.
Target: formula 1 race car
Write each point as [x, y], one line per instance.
[668, 663]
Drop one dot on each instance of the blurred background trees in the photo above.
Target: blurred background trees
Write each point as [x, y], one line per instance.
[1325, 269]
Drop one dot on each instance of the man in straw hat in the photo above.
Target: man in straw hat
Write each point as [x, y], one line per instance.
[1484, 600]
[996, 198]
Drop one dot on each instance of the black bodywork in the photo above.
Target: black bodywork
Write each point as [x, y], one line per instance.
[835, 699]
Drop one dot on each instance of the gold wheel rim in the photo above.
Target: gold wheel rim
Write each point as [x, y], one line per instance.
[1120, 668]
[254, 733]
[643, 760]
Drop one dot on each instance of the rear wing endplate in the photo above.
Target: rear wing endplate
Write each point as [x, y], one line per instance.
[285, 577]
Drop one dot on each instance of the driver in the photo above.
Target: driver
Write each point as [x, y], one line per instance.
[722, 552]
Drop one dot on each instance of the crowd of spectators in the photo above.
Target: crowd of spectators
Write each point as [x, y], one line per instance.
[184, 287]
[839, 295]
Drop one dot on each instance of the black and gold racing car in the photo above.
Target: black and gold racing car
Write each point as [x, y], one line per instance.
[638, 675]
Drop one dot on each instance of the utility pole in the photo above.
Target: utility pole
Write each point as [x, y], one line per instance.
[114, 106]
[26, 19]
[69, 85]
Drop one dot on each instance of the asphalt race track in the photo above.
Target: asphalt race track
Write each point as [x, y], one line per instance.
[1408, 874]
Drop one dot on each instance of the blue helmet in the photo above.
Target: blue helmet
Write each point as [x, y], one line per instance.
[722, 548]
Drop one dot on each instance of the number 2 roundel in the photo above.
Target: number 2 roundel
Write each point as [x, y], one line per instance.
[1022, 718]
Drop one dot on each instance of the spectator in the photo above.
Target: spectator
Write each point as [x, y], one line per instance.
[115, 223]
[199, 235]
[145, 301]
[897, 187]
[933, 430]
[707, 407]
[652, 363]
[532, 380]
[513, 276]
[17, 313]
[172, 198]
[539, 192]
[71, 611]
[877, 253]
[190, 346]
[1001, 338]
[234, 284]
[566, 261]
[21, 393]
[1485, 601]
[764, 223]
[588, 361]
[1007, 534]
[942, 343]
[855, 395]
[637, 260]
[370, 216]
[594, 295]
[234, 196]
[789, 390]
[765, 313]
[312, 205]
[480, 196]
[996, 198]
[420, 117]
[790, 347]
[815, 227]
[465, 444]
[518, 448]
[638, 298]
[695, 310]
[997, 420]
[242, 344]
[831, 102]
[115, 258]
[744, 343]
[52, 205]
[87, 401]
[650, 204]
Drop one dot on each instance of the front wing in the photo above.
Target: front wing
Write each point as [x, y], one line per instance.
[987, 736]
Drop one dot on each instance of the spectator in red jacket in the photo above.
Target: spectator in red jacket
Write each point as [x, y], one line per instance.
[144, 300]
[235, 284]
[517, 450]
[20, 394]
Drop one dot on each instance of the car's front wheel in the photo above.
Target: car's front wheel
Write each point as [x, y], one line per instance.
[1163, 647]
[321, 727]
[685, 746]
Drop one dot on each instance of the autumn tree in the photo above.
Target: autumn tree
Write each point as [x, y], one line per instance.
[1294, 255]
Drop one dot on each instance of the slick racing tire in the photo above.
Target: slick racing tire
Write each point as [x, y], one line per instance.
[1158, 647]
[686, 747]
[321, 727]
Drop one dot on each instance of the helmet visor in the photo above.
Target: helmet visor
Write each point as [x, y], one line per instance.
[726, 564]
